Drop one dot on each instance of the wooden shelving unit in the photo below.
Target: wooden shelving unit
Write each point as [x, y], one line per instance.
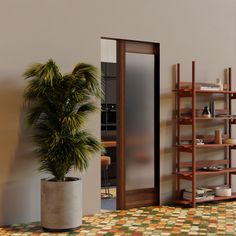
[193, 164]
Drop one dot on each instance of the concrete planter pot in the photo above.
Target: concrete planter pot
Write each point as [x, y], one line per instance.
[61, 204]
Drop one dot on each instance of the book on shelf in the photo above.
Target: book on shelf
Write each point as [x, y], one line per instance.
[205, 197]
[202, 86]
[202, 193]
[200, 190]
[210, 88]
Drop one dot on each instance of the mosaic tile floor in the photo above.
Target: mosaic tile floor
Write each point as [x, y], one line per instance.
[215, 219]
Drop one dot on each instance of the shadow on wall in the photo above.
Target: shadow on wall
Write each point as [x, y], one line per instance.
[19, 184]
[167, 151]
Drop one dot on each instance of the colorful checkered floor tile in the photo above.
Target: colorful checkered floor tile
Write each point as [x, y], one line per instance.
[214, 219]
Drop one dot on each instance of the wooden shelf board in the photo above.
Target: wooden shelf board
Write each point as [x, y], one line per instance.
[189, 202]
[188, 120]
[186, 90]
[216, 91]
[214, 145]
[218, 198]
[182, 90]
[185, 121]
[183, 201]
[188, 85]
[204, 163]
[216, 118]
[202, 172]
[226, 170]
[205, 145]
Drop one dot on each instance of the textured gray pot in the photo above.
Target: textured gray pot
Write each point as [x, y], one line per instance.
[61, 204]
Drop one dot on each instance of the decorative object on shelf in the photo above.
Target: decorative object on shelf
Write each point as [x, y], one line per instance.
[208, 139]
[218, 137]
[212, 168]
[206, 113]
[230, 141]
[224, 138]
[219, 83]
[199, 141]
[223, 191]
[212, 108]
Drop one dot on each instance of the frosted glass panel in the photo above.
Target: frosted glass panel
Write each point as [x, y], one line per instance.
[139, 139]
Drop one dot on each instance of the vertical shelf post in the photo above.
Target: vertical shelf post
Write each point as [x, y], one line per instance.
[178, 129]
[230, 122]
[193, 136]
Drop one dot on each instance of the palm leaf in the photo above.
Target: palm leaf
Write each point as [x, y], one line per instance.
[89, 75]
[57, 111]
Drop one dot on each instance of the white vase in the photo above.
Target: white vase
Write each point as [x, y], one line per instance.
[218, 82]
[61, 204]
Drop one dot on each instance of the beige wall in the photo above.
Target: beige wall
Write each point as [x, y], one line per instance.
[70, 31]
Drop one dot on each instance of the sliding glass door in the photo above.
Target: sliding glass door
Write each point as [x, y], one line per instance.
[138, 134]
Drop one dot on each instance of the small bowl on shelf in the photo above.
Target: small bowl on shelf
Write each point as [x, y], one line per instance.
[230, 141]
[223, 191]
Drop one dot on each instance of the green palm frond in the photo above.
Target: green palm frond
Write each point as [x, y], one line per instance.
[88, 75]
[45, 72]
[34, 114]
[87, 108]
[57, 110]
[72, 122]
[33, 70]
[34, 89]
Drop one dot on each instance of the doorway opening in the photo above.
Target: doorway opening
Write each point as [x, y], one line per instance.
[130, 170]
[109, 124]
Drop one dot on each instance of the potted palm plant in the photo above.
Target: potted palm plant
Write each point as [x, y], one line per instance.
[57, 107]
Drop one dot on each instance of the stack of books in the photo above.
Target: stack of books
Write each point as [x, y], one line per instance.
[201, 194]
[210, 87]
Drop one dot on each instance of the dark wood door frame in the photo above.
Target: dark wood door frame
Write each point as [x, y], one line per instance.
[148, 196]
[120, 153]
[124, 46]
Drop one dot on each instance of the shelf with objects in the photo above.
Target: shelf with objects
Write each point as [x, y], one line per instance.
[190, 118]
